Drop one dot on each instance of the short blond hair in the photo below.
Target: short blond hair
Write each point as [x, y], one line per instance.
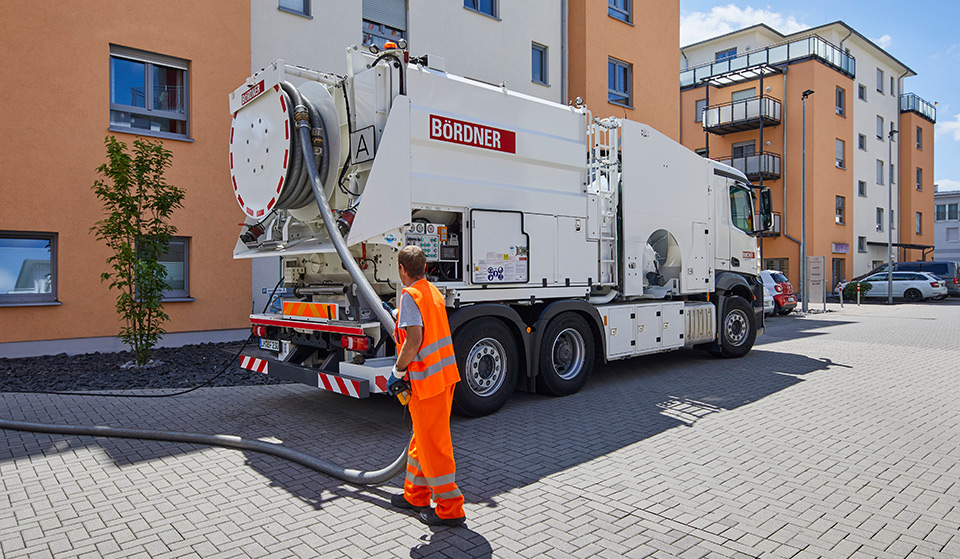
[413, 260]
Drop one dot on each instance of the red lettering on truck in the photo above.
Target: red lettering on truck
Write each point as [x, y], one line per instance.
[251, 94]
[470, 134]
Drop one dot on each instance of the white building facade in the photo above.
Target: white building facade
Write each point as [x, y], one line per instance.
[946, 225]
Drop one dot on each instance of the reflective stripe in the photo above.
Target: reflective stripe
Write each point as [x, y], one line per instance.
[442, 480]
[427, 350]
[435, 368]
[414, 463]
[416, 480]
[448, 495]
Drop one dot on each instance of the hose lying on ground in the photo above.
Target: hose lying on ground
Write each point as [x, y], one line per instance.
[349, 475]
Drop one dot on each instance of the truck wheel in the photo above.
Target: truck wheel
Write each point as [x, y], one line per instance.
[489, 361]
[738, 327]
[566, 356]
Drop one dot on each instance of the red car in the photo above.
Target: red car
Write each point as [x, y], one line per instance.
[778, 286]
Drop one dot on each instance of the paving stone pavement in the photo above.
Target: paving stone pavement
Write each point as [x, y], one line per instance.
[837, 436]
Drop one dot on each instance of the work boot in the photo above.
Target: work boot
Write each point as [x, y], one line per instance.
[429, 517]
[401, 502]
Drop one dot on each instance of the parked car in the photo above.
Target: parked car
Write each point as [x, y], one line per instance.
[769, 305]
[946, 270]
[783, 297]
[912, 286]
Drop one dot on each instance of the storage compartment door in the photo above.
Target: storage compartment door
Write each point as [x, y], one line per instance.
[499, 248]
[648, 328]
[619, 325]
[672, 325]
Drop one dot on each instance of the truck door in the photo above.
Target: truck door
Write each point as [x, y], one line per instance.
[743, 246]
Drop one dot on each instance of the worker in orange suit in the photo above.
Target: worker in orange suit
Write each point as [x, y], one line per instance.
[426, 358]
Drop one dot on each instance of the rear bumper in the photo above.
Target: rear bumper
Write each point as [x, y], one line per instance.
[265, 363]
[786, 301]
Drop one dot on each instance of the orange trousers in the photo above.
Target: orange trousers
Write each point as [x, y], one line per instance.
[431, 470]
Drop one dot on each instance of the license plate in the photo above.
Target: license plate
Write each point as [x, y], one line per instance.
[269, 345]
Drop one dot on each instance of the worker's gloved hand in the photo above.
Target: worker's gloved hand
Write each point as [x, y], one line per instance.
[396, 383]
[389, 309]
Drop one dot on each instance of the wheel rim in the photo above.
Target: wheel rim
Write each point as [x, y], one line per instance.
[736, 327]
[913, 295]
[567, 354]
[486, 366]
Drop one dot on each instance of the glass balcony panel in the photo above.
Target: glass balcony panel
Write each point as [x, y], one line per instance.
[800, 49]
[752, 108]
[738, 63]
[757, 57]
[686, 78]
[778, 54]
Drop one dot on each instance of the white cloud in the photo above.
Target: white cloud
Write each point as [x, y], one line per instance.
[947, 184]
[884, 42]
[950, 128]
[698, 26]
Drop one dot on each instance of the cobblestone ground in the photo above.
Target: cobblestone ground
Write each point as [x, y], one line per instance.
[838, 436]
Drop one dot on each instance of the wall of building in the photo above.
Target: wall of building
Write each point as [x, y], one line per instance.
[947, 249]
[319, 41]
[650, 43]
[49, 164]
[916, 198]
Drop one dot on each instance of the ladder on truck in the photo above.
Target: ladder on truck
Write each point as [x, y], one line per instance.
[602, 186]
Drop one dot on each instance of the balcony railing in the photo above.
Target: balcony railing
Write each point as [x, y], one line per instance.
[809, 47]
[756, 166]
[912, 102]
[738, 116]
[775, 228]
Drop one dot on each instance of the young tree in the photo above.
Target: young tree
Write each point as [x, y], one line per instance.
[137, 204]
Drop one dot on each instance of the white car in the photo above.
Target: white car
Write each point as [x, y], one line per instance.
[912, 286]
[769, 305]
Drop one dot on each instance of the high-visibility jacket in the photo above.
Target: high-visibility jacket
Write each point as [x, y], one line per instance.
[434, 367]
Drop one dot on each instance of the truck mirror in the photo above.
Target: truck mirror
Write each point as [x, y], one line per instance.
[766, 209]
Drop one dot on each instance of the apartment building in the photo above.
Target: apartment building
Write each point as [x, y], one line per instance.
[946, 225]
[742, 102]
[157, 70]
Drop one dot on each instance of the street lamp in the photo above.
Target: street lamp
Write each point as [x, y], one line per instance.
[803, 209]
[890, 216]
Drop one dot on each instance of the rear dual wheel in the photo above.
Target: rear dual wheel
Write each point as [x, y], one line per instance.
[566, 355]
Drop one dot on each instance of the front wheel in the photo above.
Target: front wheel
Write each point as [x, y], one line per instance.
[913, 295]
[738, 327]
[566, 355]
[489, 361]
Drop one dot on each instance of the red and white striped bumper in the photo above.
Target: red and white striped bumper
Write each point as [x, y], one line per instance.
[340, 384]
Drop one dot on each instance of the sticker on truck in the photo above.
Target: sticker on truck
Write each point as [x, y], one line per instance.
[471, 134]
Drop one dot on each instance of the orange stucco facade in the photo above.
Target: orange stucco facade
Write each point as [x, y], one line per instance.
[55, 119]
[916, 152]
[825, 180]
[650, 43]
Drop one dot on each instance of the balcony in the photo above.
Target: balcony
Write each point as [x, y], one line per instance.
[775, 228]
[911, 102]
[738, 116]
[756, 166]
[750, 65]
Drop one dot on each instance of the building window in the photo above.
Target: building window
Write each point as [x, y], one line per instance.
[879, 219]
[618, 82]
[893, 173]
[177, 263]
[841, 101]
[698, 110]
[862, 92]
[299, 7]
[919, 178]
[952, 211]
[841, 204]
[28, 268]
[941, 213]
[841, 159]
[953, 234]
[893, 219]
[726, 54]
[148, 93]
[862, 188]
[487, 7]
[619, 9]
[862, 142]
[919, 138]
[539, 63]
[919, 223]
[879, 80]
[782, 265]
[879, 127]
[379, 34]
[861, 244]
[891, 86]
[879, 172]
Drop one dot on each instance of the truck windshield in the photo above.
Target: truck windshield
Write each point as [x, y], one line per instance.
[741, 208]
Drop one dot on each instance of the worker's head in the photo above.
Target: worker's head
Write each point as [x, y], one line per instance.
[412, 263]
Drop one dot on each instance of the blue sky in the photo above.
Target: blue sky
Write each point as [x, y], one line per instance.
[923, 36]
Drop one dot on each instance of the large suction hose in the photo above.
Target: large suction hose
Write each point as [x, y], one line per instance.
[349, 475]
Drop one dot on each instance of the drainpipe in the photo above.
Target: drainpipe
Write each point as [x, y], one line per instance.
[903, 251]
[686, 62]
[845, 39]
[563, 52]
[783, 162]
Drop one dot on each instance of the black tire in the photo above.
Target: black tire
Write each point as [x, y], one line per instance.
[783, 312]
[566, 355]
[913, 295]
[738, 327]
[489, 364]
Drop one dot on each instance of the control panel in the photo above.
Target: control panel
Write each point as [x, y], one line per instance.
[435, 240]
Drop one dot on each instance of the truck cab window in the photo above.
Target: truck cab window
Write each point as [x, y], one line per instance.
[741, 208]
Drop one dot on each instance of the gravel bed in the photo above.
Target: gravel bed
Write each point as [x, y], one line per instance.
[180, 368]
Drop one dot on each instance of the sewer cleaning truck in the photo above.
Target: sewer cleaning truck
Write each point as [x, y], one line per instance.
[559, 240]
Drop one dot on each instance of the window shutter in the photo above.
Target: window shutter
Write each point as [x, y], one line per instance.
[392, 13]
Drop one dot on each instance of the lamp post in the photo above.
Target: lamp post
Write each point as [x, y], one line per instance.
[803, 209]
[890, 216]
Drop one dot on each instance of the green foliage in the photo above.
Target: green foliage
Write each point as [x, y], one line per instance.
[850, 290]
[137, 203]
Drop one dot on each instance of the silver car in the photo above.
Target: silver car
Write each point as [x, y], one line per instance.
[912, 286]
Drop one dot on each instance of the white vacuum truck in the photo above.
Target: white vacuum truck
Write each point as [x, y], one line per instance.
[557, 239]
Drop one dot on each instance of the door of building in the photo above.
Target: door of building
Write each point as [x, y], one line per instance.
[837, 273]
